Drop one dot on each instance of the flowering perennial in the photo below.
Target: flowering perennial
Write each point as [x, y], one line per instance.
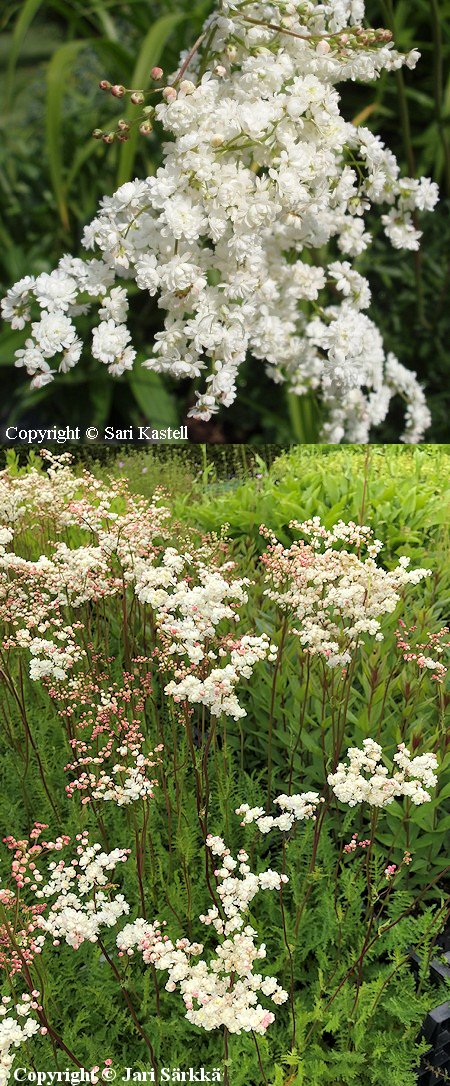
[191, 598]
[112, 760]
[435, 643]
[335, 595]
[16, 1027]
[260, 170]
[365, 779]
[73, 905]
[293, 809]
[223, 991]
[138, 649]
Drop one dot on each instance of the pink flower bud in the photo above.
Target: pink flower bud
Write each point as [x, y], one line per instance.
[156, 73]
[323, 47]
[187, 86]
[105, 84]
[117, 90]
[137, 98]
[170, 94]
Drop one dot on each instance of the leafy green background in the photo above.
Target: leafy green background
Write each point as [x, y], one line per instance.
[52, 174]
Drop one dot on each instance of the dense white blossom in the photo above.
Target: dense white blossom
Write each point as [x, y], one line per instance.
[74, 916]
[334, 591]
[16, 1028]
[221, 991]
[260, 169]
[364, 779]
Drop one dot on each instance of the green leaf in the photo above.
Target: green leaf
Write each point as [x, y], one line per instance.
[150, 53]
[152, 398]
[24, 20]
[57, 73]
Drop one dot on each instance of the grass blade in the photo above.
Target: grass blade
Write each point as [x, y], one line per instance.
[60, 65]
[24, 20]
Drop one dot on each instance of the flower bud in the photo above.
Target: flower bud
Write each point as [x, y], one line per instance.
[187, 87]
[97, 134]
[137, 98]
[323, 47]
[117, 90]
[220, 71]
[108, 137]
[145, 128]
[123, 137]
[217, 140]
[104, 84]
[123, 126]
[156, 73]
[170, 94]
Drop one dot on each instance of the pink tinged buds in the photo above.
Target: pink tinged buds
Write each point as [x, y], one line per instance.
[137, 98]
[123, 126]
[97, 134]
[156, 73]
[108, 137]
[145, 128]
[105, 85]
[187, 87]
[170, 94]
[118, 90]
[323, 47]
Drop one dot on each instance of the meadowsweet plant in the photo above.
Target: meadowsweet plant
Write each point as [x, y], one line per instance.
[338, 595]
[187, 727]
[261, 172]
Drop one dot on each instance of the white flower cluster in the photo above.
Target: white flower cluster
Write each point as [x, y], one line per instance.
[189, 613]
[51, 660]
[365, 779]
[223, 991]
[191, 599]
[123, 785]
[295, 808]
[260, 169]
[6, 537]
[336, 595]
[78, 574]
[217, 689]
[16, 1028]
[74, 916]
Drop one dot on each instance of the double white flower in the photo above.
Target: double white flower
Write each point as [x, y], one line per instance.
[261, 171]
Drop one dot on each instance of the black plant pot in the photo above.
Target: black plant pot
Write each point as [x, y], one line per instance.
[435, 1067]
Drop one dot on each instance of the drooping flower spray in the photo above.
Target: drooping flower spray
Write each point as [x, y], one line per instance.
[261, 172]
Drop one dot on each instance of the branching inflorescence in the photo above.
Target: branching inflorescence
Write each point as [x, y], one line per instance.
[261, 171]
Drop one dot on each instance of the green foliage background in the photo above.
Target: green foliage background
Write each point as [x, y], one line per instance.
[52, 54]
[403, 493]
